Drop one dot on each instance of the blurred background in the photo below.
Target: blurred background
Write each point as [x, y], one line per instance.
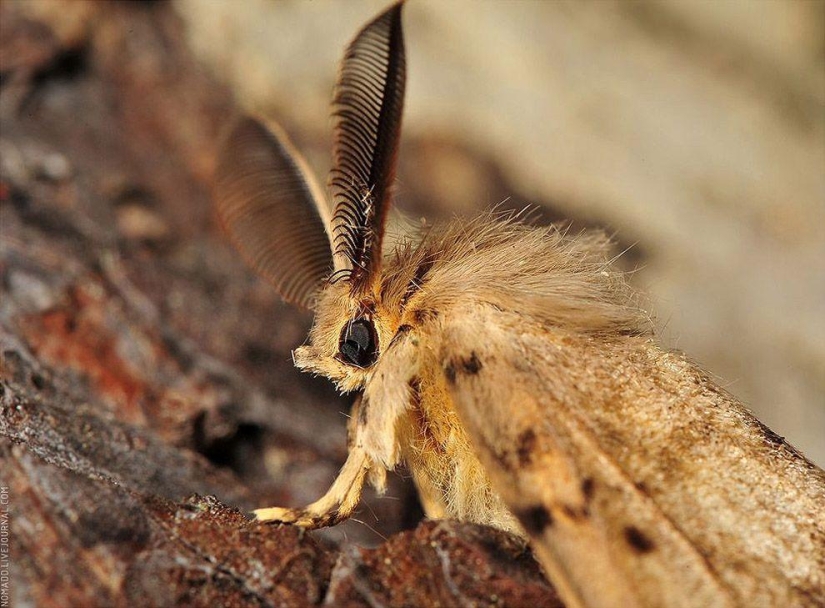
[693, 131]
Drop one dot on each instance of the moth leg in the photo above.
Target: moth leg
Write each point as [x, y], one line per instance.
[340, 500]
[334, 506]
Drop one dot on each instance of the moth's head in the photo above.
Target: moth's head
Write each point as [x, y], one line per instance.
[347, 338]
[323, 255]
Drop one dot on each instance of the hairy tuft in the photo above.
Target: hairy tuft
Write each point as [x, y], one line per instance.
[540, 272]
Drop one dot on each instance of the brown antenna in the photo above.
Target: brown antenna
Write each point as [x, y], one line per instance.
[272, 210]
[367, 107]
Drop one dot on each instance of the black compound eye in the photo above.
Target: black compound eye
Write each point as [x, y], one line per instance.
[357, 344]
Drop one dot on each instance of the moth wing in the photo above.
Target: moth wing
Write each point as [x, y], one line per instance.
[273, 211]
[602, 541]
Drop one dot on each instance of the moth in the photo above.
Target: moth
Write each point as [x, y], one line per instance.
[510, 368]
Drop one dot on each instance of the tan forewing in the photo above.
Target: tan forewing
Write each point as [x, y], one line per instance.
[367, 107]
[272, 210]
[638, 481]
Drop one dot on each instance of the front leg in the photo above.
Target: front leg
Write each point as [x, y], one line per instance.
[373, 440]
[340, 500]
[334, 506]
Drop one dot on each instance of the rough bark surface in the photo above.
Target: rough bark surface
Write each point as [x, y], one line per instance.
[146, 389]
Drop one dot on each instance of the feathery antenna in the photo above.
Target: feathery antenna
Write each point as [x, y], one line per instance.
[272, 210]
[367, 107]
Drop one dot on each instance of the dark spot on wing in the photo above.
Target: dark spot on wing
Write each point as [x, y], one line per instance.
[642, 487]
[526, 445]
[449, 371]
[423, 315]
[472, 365]
[588, 485]
[535, 519]
[467, 366]
[638, 540]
